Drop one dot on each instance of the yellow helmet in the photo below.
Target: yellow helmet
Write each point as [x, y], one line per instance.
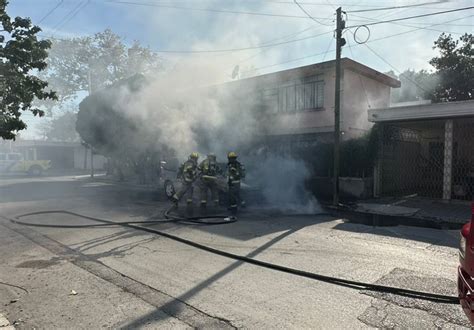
[194, 155]
[231, 155]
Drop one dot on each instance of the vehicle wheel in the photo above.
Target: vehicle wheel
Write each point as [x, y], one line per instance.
[35, 170]
[169, 189]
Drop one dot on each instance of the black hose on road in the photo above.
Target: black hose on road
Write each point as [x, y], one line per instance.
[438, 298]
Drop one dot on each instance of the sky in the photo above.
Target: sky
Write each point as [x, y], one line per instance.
[202, 25]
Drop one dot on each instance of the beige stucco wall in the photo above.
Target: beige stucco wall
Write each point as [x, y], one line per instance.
[359, 93]
[354, 106]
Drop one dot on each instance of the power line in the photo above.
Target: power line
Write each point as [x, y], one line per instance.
[86, 2]
[147, 4]
[283, 37]
[417, 16]
[360, 78]
[68, 15]
[50, 12]
[308, 14]
[264, 45]
[372, 40]
[403, 24]
[394, 68]
[396, 7]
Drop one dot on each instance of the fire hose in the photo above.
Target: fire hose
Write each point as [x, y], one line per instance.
[434, 297]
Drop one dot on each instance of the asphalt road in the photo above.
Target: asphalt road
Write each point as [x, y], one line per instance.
[124, 277]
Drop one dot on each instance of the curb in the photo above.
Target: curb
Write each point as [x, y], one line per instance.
[381, 220]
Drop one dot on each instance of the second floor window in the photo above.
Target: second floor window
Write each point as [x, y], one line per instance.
[307, 94]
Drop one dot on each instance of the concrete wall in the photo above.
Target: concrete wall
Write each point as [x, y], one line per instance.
[359, 93]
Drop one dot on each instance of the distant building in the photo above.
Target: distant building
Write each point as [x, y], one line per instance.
[63, 155]
[426, 150]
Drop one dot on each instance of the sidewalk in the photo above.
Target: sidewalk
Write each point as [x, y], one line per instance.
[434, 210]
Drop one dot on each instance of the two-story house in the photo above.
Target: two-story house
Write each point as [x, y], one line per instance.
[298, 104]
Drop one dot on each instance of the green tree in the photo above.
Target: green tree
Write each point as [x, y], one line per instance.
[455, 68]
[92, 63]
[62, 128]
[21, 55]
[415, 85]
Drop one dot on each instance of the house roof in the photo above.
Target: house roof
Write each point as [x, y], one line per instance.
[312, 69]
[423, 112]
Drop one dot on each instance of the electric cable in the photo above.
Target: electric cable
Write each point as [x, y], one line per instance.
[434, 297]
[78, 5]
[86, 2]
[401, 24]
[309, 15]
[372, 40]
[147, 4]
[397, 7]
[416, 16]
[358, 74]
[389, 64]
[51, 11]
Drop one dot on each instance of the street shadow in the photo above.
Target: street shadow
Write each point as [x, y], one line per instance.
[425, 235]
[175, 306]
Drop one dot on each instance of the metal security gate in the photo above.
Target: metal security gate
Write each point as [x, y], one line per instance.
[463, 159]
[412, 159]
[433, 158]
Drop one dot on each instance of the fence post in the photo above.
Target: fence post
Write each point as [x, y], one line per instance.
[448, 159]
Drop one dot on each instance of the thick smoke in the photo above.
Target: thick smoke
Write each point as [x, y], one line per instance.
[189, 111]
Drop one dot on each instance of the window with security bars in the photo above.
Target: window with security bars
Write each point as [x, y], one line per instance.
[301, 95]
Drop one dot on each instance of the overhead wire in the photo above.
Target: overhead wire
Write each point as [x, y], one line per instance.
[69, 16]
[396, 7]
[309, 15]
[51, 11]
[371, 40]
[148, 4]
[391, 65]
[401, 24]
[416, 16]
[358, 74]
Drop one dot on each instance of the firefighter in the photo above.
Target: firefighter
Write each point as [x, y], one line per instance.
[188, 173]
[209, 170]
[235, 173]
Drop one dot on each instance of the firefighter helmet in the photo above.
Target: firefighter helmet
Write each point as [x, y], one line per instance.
[211, 156]
[194, 155]
[231, 155]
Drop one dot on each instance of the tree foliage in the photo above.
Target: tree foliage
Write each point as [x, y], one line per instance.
[92, 63]
[111, 131]
[21, 55]
[455, 68]
[415, 85]
[62, 128]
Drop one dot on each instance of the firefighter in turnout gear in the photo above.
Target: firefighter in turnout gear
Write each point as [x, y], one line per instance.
[188, 173]
[209, 171]
[235, 173]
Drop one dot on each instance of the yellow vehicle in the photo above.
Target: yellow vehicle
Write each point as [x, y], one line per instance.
[15, 163]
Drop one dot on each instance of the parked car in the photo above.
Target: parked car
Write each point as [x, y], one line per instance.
[15, 163]
[466, 268]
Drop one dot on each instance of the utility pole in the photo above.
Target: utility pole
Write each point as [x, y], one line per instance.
[340, 25]
[89, 83]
